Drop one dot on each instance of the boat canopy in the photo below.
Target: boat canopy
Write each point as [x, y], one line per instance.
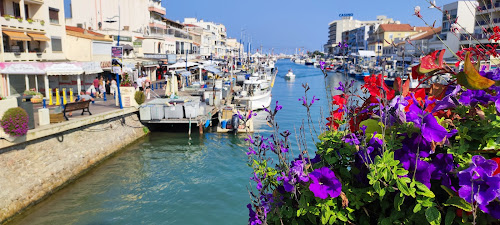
[212, 69]
[182, 64]
[364, 53]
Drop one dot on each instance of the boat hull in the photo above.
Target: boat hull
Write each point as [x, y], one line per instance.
[256, 102]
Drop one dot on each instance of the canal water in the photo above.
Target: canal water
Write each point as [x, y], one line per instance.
[166, 178]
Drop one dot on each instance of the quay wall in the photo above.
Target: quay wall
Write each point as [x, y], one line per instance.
[31, 170]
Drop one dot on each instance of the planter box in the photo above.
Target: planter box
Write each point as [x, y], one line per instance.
[128, 94]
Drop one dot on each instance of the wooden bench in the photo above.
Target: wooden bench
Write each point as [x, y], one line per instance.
[73, 106]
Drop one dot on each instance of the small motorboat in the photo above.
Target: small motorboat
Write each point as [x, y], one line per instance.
[290, 75]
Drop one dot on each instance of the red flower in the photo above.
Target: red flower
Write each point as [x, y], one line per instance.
[336, 116]
[497, 171]
[339, 100]
[374, 84]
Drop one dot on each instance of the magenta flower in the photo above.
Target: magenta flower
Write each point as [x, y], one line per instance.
[251, 152]
[325, 183]
[314, 99]
[254, 218]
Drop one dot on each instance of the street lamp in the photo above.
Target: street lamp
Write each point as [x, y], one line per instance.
[117, 44]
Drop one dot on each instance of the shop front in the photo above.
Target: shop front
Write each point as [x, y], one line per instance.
[18, 77]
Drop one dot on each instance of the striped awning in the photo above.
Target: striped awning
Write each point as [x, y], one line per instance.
[17, 36]
[38, 37]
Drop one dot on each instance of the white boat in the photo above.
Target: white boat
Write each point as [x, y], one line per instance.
[290, 75]
[253, 95]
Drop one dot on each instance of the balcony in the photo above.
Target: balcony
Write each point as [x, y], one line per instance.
[484, 9]
[40, 2]
[154, 7]
[35, 25]
[157, 24]
[473, 37]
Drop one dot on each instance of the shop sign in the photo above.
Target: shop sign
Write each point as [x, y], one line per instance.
[116, 58]
[171, 58]
[149, 63]
[137, 44]
[154, 56]
[123, 38]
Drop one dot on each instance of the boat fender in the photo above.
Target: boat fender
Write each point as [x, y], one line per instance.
[207, 123]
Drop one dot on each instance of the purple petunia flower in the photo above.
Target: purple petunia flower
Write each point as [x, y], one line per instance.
[441, 166]
[477, 183]
[297, 170]
[493, 209]
[325, 183]
[254, 218]
[449, 101]
[351, 139]
[431, 130]
[497, 105]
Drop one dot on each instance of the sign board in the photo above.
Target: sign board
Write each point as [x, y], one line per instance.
[116, 58]
[154, 56]
[137, 44]
[171, 58]
[123, 38]
[346, 14]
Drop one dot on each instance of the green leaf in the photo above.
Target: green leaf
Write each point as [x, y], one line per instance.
[372, 126]
[401, 172]
[376, 186]
[311, 218]
[450, 216]
[398, 201]
[402, 187]
[459, 203]
[448, 190]
[333, 218]
[417, 208]
[341, 216]
[424, 190]
[433, 216]
[325, 218]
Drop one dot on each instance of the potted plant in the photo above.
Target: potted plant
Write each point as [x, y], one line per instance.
[42, 22]
[7, 17]
[36, 97]
[30, 20]
[15, 122]
[20, 19]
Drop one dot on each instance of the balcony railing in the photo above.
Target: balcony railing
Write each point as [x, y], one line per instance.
[157, 8]
[465, 37]
[33, 24]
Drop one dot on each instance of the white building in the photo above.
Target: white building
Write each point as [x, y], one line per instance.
[347, 23]
[33, 33]
[464, 14]
[213, 39]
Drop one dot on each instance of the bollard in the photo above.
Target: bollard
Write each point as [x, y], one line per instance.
[58, 100]
[44, 103]
[161, 85]
[50, 97]
[65, 99]
[92, 95]
[157, 86]
[71, 95]
[62, 101]
[104, 96]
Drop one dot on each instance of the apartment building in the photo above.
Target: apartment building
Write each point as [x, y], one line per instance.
[33, 33]
[460, 15]
[382, 38]
[213, 38]
[347, 23]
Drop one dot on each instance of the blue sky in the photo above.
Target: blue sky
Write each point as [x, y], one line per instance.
[288, 24]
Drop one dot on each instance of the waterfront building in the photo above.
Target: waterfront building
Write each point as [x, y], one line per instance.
[347, 23]
[462, 13]
[213, 39]
[33, 33]
[384, 35]
[413, 47]
[141, 35]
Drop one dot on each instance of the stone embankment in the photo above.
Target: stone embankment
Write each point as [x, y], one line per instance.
[32, 170]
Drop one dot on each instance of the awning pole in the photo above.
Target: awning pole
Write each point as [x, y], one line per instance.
[78, 84]
[27, 81]
[46, 83]
[36, 83]
[8, 84]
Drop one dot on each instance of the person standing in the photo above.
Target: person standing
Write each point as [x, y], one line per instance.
[114, 87]
[102, 89]
[96, 84]
[140, 82]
